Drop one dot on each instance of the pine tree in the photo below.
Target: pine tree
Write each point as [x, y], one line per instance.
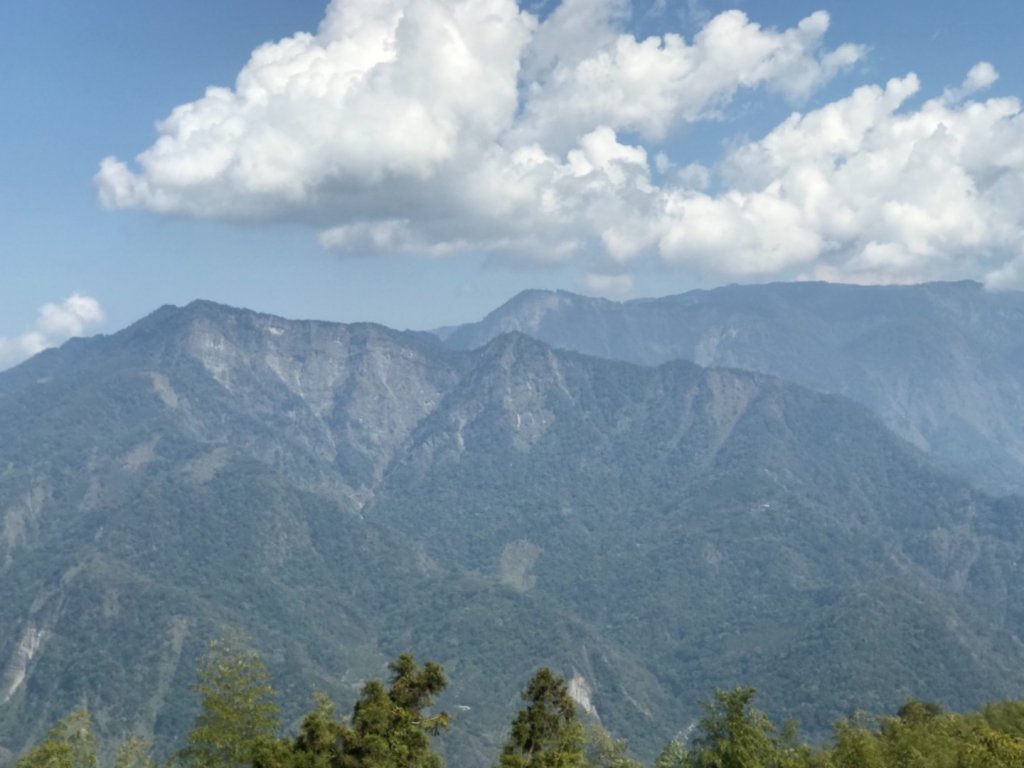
[238, 717]
[389, 727]
[546, 734]
[733, 734]
[69, 744]
[602, 750]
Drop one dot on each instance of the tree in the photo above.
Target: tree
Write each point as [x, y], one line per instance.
[918, 712]
[319, 742]
[602, 750]
[674, 755]
[992, 749]
[856, 744]
[546, 734]
[134, 753]
[69, 744]
[389, 727]
[734, 734]
[239, 718]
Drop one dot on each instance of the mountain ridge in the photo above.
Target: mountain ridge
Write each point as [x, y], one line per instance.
[344, 493]
[941, 363]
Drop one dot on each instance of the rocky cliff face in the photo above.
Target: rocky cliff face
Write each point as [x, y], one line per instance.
[18, 666]
[345, 398]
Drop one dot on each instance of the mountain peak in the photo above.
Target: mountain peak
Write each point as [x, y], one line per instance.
[340, 490]
[908, 352]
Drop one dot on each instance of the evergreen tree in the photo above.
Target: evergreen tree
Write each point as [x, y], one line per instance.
[69, 744]
[389, 727]
[546, 734]
[674, 755]
[239, 718]
[319, 741]
[992, 749]
[733, 734]
[856, 746]
[134, 753]
[602, 750]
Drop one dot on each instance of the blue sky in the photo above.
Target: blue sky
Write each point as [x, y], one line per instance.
[483, 148]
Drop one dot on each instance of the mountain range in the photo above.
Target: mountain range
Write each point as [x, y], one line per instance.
[942, 363]
[344, 493]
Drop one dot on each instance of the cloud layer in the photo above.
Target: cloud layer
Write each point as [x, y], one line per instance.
[862, 190]
[442, 126]
[55, 324]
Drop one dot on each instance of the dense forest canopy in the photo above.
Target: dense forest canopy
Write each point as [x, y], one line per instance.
[391, 726]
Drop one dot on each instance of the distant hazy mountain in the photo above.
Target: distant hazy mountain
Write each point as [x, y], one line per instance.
[346, 493]
[941, 363]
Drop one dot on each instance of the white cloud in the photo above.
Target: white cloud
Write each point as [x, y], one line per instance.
[55, 324]
[387, 95]
[610, 286]
[866, 190]
[442, 126]
[571, 33]
[447, 125]
[981, 76]
[654, 86]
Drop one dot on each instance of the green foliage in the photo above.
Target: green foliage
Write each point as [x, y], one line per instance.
[922, 736]
[1006, 717]
[991, 749]
[733, 734]
[318, 743]
[602, 750]
[855, 745]
[134, 753]
[389, 726]
[69, 744]
[673, 755]
[546, 733]
[239, 718]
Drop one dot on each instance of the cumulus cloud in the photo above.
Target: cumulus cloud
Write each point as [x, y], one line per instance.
[54, 324]
[612, 286]
[441, 126]
[446, 125]
[865, 190]
[981, 76]
[653, 86]
[389, 94]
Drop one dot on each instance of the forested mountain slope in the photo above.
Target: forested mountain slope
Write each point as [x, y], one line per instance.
[346, 493]
[941, 363]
